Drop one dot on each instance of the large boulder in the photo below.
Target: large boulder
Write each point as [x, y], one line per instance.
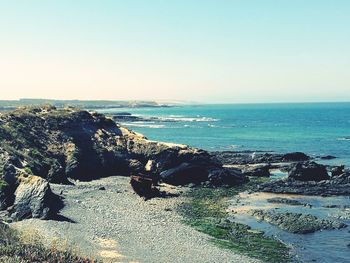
[308, 171]
[33, 199]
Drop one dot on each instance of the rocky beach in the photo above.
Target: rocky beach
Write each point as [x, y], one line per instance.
[77, 177]
[174, 131]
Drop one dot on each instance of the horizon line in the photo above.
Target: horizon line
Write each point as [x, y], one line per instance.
[185, 102]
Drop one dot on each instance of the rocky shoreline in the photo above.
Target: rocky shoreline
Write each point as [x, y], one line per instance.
[304, 175]
[46, 153]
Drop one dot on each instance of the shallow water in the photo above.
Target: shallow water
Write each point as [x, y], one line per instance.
[316, 129]
[322, 246]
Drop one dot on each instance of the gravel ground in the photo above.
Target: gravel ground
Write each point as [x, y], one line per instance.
[118, 226]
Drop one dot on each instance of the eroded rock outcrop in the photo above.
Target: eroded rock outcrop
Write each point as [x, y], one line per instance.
[58, 144]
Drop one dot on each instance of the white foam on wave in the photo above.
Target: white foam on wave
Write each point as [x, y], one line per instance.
[144, 125]
[187, 119]
[343, 139]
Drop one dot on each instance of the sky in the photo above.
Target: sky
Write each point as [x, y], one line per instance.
[217, 51]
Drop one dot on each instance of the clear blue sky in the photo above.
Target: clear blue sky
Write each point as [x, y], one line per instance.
[196, 50]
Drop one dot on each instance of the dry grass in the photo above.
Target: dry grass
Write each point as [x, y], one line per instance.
[26, 247]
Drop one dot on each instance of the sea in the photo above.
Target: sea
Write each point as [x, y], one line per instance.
[317, 129]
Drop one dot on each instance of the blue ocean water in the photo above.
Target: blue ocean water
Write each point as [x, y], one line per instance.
[313, 128]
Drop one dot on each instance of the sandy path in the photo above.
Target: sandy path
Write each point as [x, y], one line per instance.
[118, 226]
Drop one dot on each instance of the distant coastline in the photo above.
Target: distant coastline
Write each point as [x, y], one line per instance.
[86, 104]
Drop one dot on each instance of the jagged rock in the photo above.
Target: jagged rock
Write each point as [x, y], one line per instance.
[308, 171]
[32, 199]
[327, 157]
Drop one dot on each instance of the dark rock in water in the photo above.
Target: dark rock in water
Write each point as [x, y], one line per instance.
[122, 114]
[144, 186]
[308, 171]
[279, 200]
[258, 171]
[240, 158]
[295, 157]
[332, 206]
[127, 117]
[33, 199]
[338, 170]
[297, 223]
[184, 173]
[337, 185]
[328, 157]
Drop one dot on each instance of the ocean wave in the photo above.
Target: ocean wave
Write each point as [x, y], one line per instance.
[187, 119]
[143, 125]
[344, 139]
[233, 146]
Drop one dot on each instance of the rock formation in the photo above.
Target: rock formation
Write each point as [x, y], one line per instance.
[58, 144]
[308, 171]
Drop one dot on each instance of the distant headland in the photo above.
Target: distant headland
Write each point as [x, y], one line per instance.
[90, 104]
